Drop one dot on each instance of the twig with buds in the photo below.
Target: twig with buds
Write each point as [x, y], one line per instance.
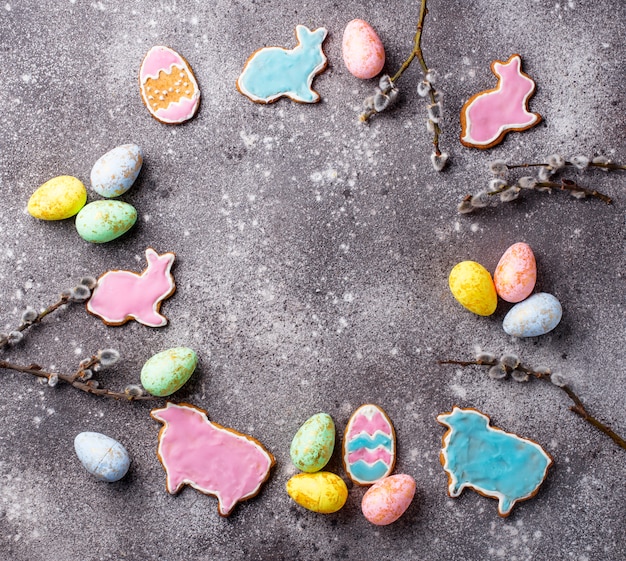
[30, 317]
[82, 378]
[508, 364]
[387, 93]
[501, 190]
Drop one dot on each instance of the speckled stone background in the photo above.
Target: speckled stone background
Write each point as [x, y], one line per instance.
[312, 262]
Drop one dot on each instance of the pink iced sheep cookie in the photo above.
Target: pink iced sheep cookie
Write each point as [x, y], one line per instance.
[121, 296]
[210, 458]
[490, 114]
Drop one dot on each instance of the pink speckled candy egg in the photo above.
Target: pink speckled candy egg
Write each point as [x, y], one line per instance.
[388, 499]
[363, 51]
[516, 273]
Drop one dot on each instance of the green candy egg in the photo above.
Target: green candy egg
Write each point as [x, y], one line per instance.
[103, 221]
[312, 446]
[167, 371]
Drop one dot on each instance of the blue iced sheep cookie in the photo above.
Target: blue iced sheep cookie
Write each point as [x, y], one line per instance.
[489, 460]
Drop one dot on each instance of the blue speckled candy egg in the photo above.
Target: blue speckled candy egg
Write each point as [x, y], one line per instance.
[534, 316]
[102, 456]
[115, 172]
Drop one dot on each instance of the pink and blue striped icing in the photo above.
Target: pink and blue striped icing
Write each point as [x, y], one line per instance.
[369, 445]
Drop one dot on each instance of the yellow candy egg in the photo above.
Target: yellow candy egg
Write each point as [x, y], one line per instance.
[322, 492]
[57, 199]
[472, 285]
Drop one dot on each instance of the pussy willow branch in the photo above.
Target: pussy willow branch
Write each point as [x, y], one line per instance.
[74, 380]
[577, 408]
[417, 53]
[609, 166]
[63, 300]
[564, 185]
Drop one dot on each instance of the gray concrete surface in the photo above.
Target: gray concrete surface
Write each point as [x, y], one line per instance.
[312, 263]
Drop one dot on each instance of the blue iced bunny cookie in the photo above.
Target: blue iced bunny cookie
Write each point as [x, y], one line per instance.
[489, 460]
[273, 72]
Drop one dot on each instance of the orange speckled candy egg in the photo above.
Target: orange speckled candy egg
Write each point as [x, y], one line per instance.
[472, 286]
[516, 273]
[388, 499]
[363, 51]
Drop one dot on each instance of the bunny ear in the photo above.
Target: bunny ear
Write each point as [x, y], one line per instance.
[302, 33]
[514, 63]
[320, 33]
[151, 255]
[308, 37]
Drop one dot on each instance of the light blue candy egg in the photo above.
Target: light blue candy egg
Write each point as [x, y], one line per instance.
[534, 316]
[102, 456]
[115, 172]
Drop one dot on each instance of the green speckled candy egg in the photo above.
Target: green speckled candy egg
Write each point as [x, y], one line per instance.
[312, 446]
[167, 371]
[58, 198]
[103, 221]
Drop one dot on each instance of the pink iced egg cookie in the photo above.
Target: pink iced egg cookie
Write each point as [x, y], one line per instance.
[516, 273]
[168, 86]
[363, 51]
[388, 500]
[489, 115]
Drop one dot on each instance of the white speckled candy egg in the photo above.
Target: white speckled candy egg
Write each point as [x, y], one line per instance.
[102, 456]
[387, 500]
[115, 172]
[363, 51]
[535, 316]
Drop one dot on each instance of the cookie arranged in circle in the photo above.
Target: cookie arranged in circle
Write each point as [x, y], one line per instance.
[489, 115]
[168, 86]
[493, 462]
[121, 296]
[210, 458]
[369, 445]
[274, 72]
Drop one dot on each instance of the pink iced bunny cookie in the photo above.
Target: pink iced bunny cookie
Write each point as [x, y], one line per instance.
[490, 114]
[210, 458]
[121, 296]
